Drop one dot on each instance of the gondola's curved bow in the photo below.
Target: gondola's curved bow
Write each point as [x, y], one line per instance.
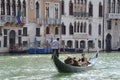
[66, 68]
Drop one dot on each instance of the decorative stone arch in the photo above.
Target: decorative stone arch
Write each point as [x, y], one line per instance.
[90, 9]
[82, 44]
[69, 43]
[108, 42]
[56, 31]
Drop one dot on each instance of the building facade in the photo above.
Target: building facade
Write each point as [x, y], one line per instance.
[82, 24]
[21, 21]
[112, 25]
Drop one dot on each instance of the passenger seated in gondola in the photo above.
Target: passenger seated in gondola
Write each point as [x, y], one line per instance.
[83, 61]
[75, 62]
[69, 60]
[72, 61]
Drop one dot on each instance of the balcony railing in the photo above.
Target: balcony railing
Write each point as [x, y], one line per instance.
[80, 14]
[50, 21]
[80, 35]
[53, 21]
[58, 21]
[39, 21]
[8, 18]
[113, 16]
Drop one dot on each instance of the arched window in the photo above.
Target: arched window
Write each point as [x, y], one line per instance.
[25, 31]
[47, 30]
[63, 29]
[100, 10]
[70, 8]
[90, 29]
[85, 27]
[56, 13]
[19, 5]
[13, 8]
[109, 6]
[99, 29]
[90, 9]
[62, 7]
[99, 43]
[90, 44]
[109, 24]
[78, 27]
[74, 26]
[76, 44]
[56, 31]
[70, 29]
[113, 6]
[47, 12]
[81, 27]
[37, 10]
[8, 7]
[24, 8]
[69, 43]
[2, 7]
[118, 6]
[82, 44]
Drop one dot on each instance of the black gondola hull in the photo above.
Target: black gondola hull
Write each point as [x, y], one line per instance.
[66, 68]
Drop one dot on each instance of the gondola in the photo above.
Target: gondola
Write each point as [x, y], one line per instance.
[66, 68]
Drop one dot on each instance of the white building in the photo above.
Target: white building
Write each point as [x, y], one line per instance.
[112, 25]
[82, 24]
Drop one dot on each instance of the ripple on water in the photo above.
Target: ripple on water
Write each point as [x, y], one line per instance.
[40, 67]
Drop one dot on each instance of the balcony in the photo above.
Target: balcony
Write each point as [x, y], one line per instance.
[7, 18]
[57, 21]
[113, 16]
[80, 14]
[50, 21]
[53, 21]
[80, 35]
[39, 21]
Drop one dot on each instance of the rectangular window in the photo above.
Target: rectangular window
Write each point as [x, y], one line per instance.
[37, 31]
[0, 43]
[5, 41]
[25, 31]
[19, 32]
[109, 25]
[25, 43]
[5, 31]
[0, 31]
[19, 41]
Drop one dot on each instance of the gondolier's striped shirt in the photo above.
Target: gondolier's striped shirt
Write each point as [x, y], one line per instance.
[55, 44]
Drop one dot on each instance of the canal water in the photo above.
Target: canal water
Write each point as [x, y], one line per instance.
[41, 67]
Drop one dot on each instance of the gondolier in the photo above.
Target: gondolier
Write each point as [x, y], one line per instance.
[55, 46]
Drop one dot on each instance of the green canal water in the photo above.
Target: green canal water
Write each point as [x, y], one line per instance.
[41, 67]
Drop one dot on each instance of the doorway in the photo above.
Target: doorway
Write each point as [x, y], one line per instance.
[108, 42]
[12, 39]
